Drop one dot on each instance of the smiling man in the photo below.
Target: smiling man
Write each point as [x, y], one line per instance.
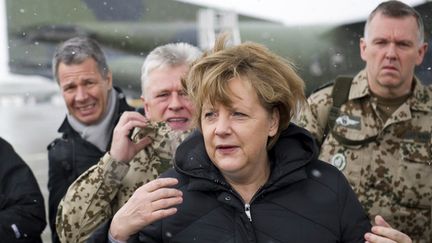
[380, 136]
[93, 109]
[104, 188]
[163, 96]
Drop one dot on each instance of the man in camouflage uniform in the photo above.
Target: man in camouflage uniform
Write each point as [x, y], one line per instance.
[98, 193]
[381, 139]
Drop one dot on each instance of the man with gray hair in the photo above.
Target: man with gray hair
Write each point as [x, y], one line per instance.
[93, 109]
[380, 135]
[104, 188]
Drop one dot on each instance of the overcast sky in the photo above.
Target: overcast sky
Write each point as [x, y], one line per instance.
[294, 12]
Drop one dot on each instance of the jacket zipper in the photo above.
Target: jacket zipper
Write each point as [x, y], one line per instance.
[247, 205]
[248, 212]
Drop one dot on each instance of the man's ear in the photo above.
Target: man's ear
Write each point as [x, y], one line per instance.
[109, 79]
[147, 111]
[363, 48]
[421, 52]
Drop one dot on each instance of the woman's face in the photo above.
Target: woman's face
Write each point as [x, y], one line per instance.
[236, 137]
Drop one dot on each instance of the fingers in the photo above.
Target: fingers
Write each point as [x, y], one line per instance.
[389, 234]
[372, 238]
[143, 143]
[153, 197]
[149, 203]
[160, 214]
[159, 183]
[122, 148]
[164, 207]
[166, 199]
[154, 191]
[128, 121]
[131, 115]
[384, 233]
[163, 198]
[379, 221]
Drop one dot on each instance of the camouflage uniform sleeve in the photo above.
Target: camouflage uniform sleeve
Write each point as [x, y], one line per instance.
[87, 202]
[165, 142]
[314, 115]
[92, 198]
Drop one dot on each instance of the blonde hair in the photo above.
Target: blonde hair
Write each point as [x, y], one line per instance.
[274, 79]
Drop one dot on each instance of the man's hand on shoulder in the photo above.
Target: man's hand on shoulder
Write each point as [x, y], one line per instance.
[151, 202]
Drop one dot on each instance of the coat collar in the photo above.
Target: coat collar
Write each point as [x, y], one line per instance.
[122, 106]
[293, 151]
[421, 98]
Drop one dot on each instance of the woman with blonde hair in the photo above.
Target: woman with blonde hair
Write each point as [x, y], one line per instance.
[246, 174]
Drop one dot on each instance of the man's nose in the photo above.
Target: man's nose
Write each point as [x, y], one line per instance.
[81, 93]
[391, 51]
[176, 102]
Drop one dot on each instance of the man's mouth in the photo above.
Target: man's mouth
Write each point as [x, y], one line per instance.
[183, 120]
[84, 109]
[178, 123]
[393, 68]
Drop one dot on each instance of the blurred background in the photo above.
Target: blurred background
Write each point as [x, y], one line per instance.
[320, 37]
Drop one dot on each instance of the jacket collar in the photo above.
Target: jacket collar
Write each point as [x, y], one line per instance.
[359, 87]
[121, 106]
[421, 98]
[294, 149]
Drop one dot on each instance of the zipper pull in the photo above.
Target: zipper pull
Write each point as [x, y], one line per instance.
[247, 211]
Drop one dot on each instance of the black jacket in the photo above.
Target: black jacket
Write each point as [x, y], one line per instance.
[69, 156]
[22, 211]
[304, 200]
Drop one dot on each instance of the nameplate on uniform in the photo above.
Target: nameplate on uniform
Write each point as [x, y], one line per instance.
[422, 137]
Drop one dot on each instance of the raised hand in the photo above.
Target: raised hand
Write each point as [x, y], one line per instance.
[122, 147]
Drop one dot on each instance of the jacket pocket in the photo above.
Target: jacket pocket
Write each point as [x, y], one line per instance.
[413, 187]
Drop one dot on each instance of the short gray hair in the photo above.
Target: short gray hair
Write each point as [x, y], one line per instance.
[75, 51]
[396, 9]
[169, 55]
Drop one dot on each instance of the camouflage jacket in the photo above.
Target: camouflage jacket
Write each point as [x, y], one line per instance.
[100, 191]
[392, 174]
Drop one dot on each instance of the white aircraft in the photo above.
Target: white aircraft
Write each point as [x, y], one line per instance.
[15, 88]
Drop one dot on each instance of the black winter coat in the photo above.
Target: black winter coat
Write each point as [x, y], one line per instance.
[304, 200]
[69, 156]
[22, 211]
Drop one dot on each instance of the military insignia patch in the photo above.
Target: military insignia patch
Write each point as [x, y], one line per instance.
[338, 161]
[348, 121]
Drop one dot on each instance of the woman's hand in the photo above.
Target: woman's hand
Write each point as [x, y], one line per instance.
[382, 232]
[151, 202]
